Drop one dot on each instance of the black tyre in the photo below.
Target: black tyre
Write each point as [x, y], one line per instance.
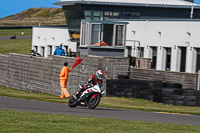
[123, 77]
[72, 102]
[171, 85]
[94, 101]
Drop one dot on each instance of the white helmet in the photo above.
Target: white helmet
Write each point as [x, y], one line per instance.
[99, 74]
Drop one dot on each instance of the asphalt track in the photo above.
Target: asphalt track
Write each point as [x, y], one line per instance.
[18, 37]
[8, 103]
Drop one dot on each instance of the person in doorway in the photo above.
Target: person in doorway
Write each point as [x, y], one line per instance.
[69, 52]
[64, 74]
[93, 80]
[59, 51]
[33, 53]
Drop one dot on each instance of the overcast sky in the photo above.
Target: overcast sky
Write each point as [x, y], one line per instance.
[11, 7]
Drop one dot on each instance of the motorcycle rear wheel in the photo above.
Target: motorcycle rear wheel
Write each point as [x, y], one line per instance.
[72, 102]
[93, 101]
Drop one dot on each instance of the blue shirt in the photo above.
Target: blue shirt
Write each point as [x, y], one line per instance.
[59, 51]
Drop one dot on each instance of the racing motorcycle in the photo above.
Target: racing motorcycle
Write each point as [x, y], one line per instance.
[89, 98]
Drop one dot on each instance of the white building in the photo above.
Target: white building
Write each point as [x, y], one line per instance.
[46, 39]
[172, 42]
[165, 31]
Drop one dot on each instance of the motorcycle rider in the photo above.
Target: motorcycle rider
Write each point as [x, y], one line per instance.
[93, 80]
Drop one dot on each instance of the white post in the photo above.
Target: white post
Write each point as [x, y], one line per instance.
[191, 13]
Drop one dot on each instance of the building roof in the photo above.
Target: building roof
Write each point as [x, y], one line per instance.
[154, 3]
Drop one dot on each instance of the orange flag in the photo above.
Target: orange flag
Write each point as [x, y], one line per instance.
[77, 61]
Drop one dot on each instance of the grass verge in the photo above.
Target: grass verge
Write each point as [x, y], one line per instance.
[108, 102]
[21, 46]
[23, 122]
[18, 32]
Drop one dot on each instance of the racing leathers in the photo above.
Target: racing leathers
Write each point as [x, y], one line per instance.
[93, 80]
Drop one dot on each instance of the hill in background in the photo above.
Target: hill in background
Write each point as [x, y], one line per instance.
[35, 16]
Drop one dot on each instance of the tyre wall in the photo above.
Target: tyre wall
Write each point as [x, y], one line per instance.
[156, 91]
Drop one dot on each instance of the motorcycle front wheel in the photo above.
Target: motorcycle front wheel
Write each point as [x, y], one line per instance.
[72, 102]
[94, 101]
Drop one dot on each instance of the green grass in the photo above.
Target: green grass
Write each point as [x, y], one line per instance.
[21, 46]
[23, 122]
[108, 102]
[10, 32]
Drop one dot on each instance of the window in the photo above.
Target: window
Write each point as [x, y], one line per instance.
[88, 18]
[116, 14]
[96, 13]
[96, 18]
[106, 18]
[107, 13]
[126, 13]
[119, 40]
[83, 33]
[102, 33]
[87, 13]
[93, 15]
[107, 39]
[95, 40]
[135, 14]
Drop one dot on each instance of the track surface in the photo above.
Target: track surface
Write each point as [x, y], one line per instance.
[18, 37]
[7, 103]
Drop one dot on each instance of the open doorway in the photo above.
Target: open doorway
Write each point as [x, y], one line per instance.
[154, 57]
[198, 60]
[183, 59]
[168, 59]
[49, 50]
[35, 48]
[42, 51]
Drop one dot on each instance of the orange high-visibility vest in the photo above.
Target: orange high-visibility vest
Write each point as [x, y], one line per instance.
[64, 73]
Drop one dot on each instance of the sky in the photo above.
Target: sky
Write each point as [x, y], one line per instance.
[11, 7]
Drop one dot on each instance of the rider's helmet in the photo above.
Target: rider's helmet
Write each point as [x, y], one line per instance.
[99, 74]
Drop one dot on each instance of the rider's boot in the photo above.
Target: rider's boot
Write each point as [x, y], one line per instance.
[76, 95]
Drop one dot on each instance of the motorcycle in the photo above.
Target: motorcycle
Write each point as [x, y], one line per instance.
[89, 98]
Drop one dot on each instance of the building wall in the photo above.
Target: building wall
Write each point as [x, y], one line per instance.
[166, 34]
[187, 80]
[53, 36]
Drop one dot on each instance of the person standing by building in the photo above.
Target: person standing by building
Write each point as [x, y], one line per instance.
[69, 53]
[59, 51]
[33, 53]
[64, 74]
